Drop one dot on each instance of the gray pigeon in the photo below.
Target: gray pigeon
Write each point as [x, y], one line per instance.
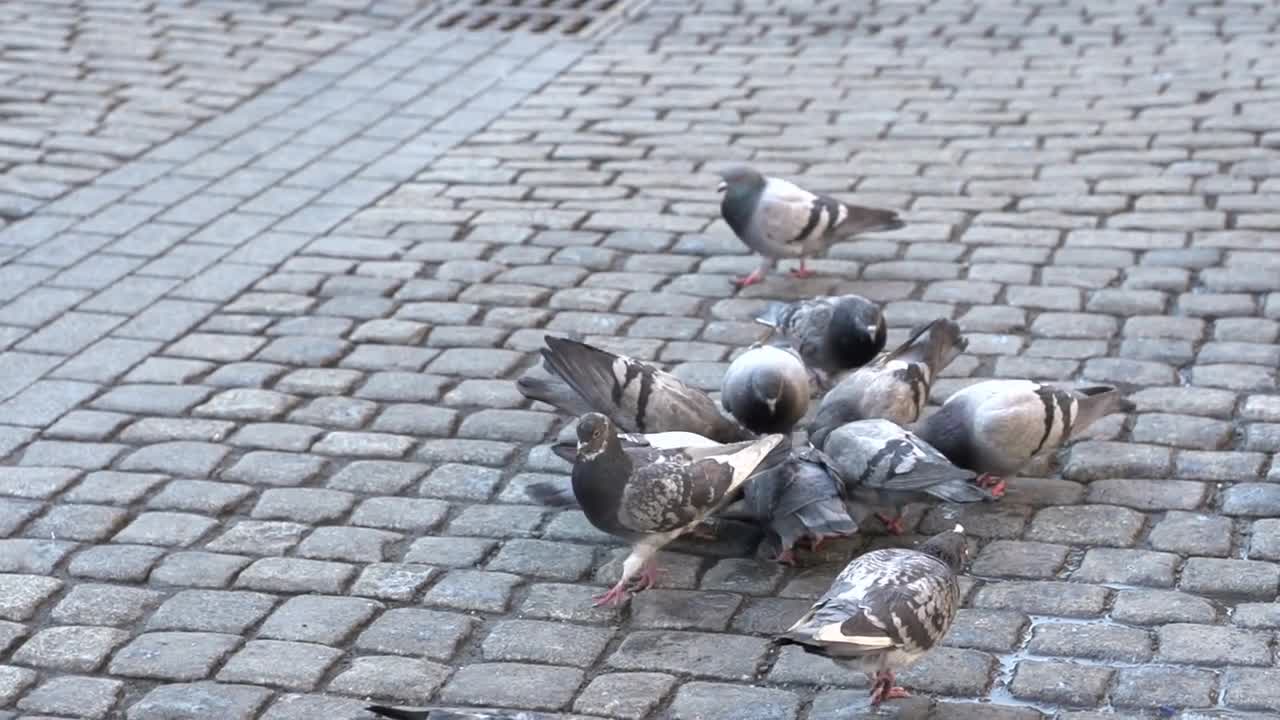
[766, 389]
[832, 333]
[443, 714]
[896, 386]
[886, 609]
[781, 220]
[650, 496]
[799, 498]
[996, 427]
[881, 463]
[636, 396]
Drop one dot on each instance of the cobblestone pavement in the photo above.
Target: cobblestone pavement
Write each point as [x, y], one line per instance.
[272, 268]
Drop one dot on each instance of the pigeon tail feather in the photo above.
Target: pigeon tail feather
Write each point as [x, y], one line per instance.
[1098, 401]
[773, 314]
[554, 392]
[398, 714]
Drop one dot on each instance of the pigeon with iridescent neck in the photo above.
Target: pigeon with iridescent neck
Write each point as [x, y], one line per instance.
[649, 496]
[886, 610]
[996, 427]
[896, 386]
[779, 219]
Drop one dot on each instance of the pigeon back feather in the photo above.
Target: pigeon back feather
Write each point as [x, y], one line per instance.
[636, 396]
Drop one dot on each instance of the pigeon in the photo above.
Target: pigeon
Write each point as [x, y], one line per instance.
[799, 498]
[881, 462]
[781, 220]
[886, 609]
[831, 334]
[636, 396]
[766, 389]
[443, 714]
[896, 386]
[650, 496]
[996, 427]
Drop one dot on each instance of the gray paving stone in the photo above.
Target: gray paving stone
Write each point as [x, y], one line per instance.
[1063, 683]
[715, 701]
[295, 575]
[91, 604]
[292, 665]
[472, 590]
[293, 706]
[274, 468]
[165, 528]
[199, 569]
[539, 687]
[211, 611]
[73, 648]
[183, 459]
[81, 696]
[406, 679]
[1219, 577]
[318, 619]
[35, 482]
[33, 556]
[119, 563]
[172, 655]
[305, 505]
[234, 702]
[545, 642]
[624, 695]
[703, 654]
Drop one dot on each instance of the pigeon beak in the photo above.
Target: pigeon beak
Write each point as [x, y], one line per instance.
[720, 188]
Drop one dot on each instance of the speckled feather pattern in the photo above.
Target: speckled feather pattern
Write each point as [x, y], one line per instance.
[889, 606]
[635, 396]
[881, 456]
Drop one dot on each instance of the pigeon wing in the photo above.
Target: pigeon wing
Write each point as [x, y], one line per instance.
[636, 396]
[884, 600]
[793, 219]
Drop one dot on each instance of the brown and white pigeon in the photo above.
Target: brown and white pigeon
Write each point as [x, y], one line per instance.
[636, 396]
[996, 427]
[886, 610]
[799, 499]
[650, 496]
[779, 219]
[766, 389]
[896, 386]
[883, 464]
[831, 333]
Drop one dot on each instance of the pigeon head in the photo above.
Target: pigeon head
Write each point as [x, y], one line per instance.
[949, 547]
[740, 180]
[856, 333]
[594, 432]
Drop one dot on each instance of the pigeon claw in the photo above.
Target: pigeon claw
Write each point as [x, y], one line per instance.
[884, 689]
[993, 483]
[892, 525]
[616, 596]
[802, 273]
[786, 557]
[748, 280]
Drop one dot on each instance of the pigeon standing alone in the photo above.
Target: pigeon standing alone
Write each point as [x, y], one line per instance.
[779, 219]
[886, 610]
[650, 496]
[766, 389]
[896, 386]
[996, 427]
[882, 463]
[799, 498]
[832, 334]
[636, 396]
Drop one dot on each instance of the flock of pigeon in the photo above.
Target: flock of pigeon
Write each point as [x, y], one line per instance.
[655, 459]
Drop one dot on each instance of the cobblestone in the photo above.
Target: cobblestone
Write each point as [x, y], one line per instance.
[268, 272]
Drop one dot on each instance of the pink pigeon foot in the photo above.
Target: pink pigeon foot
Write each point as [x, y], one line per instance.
[748, 280]
[884, 689]
[993, 483]
[616, 596]
[648, 577]
[802, 272]
[892, 525]
[786, 557]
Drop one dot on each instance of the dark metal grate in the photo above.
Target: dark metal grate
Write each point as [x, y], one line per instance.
[577, 18]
